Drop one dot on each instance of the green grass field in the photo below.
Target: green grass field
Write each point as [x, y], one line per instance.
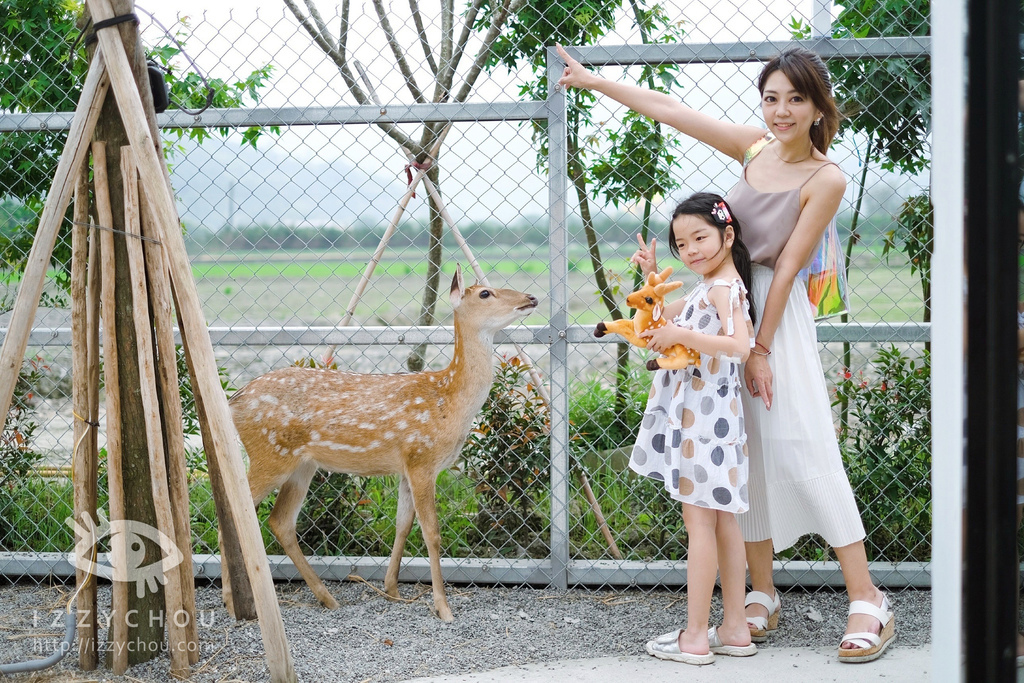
[315, 287]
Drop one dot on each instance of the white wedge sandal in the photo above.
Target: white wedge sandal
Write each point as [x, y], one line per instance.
[869, 646]
[761, 626]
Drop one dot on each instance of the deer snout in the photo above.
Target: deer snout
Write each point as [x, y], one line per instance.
[534, 302]
[635, 301]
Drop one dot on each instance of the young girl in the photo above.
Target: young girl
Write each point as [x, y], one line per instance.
[692, 437]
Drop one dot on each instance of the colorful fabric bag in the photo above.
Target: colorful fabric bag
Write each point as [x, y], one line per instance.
[826, 277]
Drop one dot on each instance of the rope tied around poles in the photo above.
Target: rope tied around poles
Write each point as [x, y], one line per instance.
[419, 166]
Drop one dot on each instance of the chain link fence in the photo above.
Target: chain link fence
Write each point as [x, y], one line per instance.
[549, 190]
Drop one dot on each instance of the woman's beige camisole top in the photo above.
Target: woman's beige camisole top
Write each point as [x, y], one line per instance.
[767, 219]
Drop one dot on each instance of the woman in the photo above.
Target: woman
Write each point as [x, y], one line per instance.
[788, 193]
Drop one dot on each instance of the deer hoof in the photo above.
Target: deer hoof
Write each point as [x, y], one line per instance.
[600, 330]
[444, 613]
[653, 364]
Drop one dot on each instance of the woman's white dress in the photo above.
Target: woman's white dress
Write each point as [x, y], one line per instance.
[797, 482]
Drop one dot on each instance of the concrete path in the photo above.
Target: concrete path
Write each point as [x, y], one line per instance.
[792, 665]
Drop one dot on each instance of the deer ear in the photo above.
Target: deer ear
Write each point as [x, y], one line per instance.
[458, 287]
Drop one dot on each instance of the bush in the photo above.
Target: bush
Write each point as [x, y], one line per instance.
[599, 420]
[886, 446]
[508, 452]
[17, 457]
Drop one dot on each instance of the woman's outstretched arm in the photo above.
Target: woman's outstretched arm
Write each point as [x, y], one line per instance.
[731, 139]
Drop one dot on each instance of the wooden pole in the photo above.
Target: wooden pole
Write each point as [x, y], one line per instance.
[92, 376]
[31, 288]
[152, 172]
[381, 247]
[83, 465]
[170, 403]
[595, 507]
[119, 600]
[174, 606]
[235, 584]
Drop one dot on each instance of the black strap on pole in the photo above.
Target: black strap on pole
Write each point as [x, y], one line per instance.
[114, 21]
[90, 38]
[990, 246]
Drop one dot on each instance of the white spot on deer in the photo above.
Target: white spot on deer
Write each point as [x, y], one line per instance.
[314, 436]
[268, 398]
[419, 400]
[367, 425]
[335, 446]
[424, 416]
[440, 402]
[264, 430]
[389, 435]
[272, 436]
[401, 424]
[430, 378]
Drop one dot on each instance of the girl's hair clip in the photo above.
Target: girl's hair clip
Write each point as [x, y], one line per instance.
[720, 212]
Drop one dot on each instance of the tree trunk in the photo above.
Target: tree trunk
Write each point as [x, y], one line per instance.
[579, 182]
[145, 615]
[415, 362]
[844, 403]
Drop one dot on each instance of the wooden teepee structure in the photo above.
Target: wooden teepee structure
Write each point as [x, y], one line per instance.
[169, 278]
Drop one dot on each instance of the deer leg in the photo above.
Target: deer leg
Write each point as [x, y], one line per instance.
[624, 327]
[282, 523]
[423, 486]
[403, 524]
[259, 489]
[679, 359]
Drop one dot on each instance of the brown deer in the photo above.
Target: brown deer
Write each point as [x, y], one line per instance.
[649, 302]
[295, 420]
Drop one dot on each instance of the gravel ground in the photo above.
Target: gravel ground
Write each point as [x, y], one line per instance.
[372, 640]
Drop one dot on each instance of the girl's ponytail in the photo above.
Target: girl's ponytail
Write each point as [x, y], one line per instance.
[741, 259]
[717, 213]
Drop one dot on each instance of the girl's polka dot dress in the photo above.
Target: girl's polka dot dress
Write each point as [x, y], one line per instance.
[692, 436]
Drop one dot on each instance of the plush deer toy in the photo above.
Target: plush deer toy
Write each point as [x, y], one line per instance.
[294, 421]
[649, 304]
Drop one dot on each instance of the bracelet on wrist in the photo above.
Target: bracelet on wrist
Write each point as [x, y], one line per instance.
[760, 353]
[767, 351]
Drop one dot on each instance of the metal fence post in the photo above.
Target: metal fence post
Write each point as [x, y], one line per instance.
[821, 19]
[558, 245]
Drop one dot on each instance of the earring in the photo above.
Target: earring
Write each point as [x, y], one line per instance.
[817, 122]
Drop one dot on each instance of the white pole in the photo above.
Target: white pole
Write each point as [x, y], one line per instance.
[821, 18]
[948, 101]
